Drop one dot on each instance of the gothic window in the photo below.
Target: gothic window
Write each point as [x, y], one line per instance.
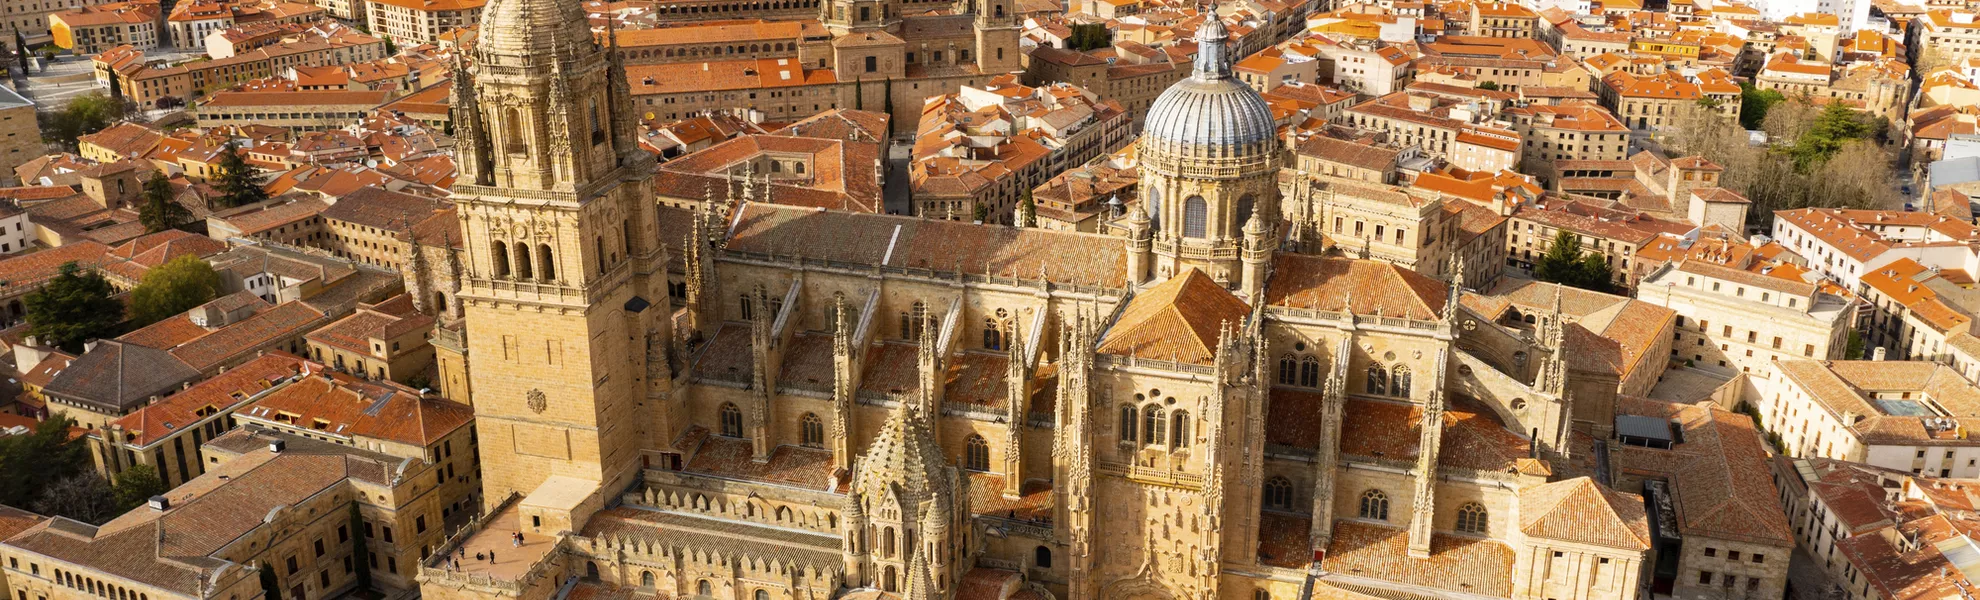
[522, 262]
[1378, 380]
[597, 123]
[1042, 557]
[546, 262]
[748, 308]
[1179, 430]
[1399, 381]
[703, 589]
[646, 578]
[1278, 493]
[887, 543]
[888, 584]
[512, 133]
[1155, 425]
[1471, 518]
[992, 338]
[976, 453]
[1374, 505]
[814, 431]
[731, 420]
[1196, 217]
[1244, 207]
[1288, 370]
[911, 321]
[498, 252]
[1128, 423]
[762, 595]
[1155, 208]
[626, 236]
[1309, 371]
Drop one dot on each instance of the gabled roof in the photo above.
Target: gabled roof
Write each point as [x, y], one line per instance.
[1301, 281]
[1582, 511]
[114, 376]
[1177, 320]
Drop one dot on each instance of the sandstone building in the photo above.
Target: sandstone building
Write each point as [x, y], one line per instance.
[850, 405]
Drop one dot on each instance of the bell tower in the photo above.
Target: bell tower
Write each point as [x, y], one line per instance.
[563, 293]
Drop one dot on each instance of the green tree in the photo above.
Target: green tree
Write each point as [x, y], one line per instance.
[84, 497]
[1856, 346]
[83, 115]
[137, 484]
[237, 181]
[33, 462]
[172, 288]
[391, 49]
[1835, 126]
[271, 586]
[1488, 85]
[1090, 36]
[1565, 264]
[1027, 211]
[160, 211]
[1753, 104]
[73, 308]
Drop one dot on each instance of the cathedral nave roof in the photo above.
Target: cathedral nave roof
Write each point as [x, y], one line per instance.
[1313, 282]
[1179, 319]
[943, 246]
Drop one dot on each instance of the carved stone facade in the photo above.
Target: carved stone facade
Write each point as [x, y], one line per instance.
[867, 406]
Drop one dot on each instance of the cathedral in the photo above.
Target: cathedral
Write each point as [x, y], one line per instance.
[763, 402]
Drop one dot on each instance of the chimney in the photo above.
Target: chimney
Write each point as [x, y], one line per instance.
[276, 446]
[160, 503]
[1677, 431]
[1877, 354]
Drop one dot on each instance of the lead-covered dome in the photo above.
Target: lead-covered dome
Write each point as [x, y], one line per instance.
[534, 29]
[1210, 113]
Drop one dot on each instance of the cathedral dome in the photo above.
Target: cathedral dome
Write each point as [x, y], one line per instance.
[1210, 113]
[534, 28]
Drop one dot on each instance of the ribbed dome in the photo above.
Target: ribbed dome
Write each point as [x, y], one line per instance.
[534, 29]
[1213, 112]
[1210, 108]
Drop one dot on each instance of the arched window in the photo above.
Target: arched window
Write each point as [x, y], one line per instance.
[1179, 431]
[512, 133]
[1288, 370]
[1128, 423]
[597, 123]
[799, 167]
[1278, 493]
[993, 339]
[1154, 200]
[1042, 557]
[887, 585]
[646, 578]
[1261, 595]
[1196, 217]
[598, 248]
[1378, 380]
[626, 236]
[1399, 381]
[976, 453]
[546, 262]
[1155, 425]
[498, 252]
[814, 431]
[1471, 518]
[887, 543]
[522, 262]
[731, 420]
[911, 321]
[1374, 505]
[703, 589]
[1309, 371]
[762, 595]
[590, 571]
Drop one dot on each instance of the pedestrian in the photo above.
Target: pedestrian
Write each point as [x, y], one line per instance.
[477, 556]
[516, 540]
[491, 557]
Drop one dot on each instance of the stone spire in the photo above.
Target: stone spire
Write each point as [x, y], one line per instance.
[1213, 56]
[471, 146]
[844, 386]
[1456, 292]
[761, 377]
[1072, 451]
[1332, 411]
[1423, 506]
[1017, 383]
[929, 367]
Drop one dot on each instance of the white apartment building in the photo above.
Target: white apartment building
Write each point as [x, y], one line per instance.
[1910, 416]
[1741, 315]
[1844, 245]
